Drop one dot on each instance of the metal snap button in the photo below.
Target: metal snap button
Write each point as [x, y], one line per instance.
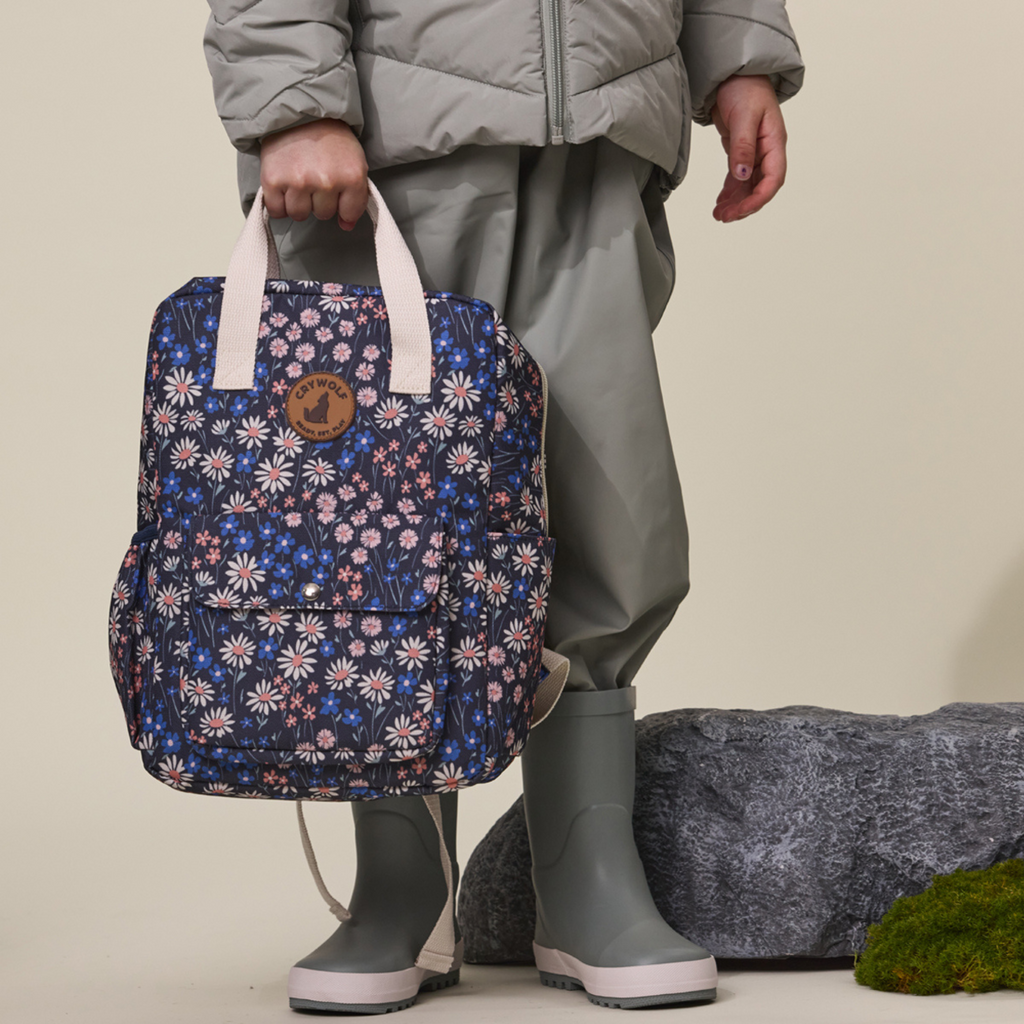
[311, 591]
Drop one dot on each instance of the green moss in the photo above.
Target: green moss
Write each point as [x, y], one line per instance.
[965, 931]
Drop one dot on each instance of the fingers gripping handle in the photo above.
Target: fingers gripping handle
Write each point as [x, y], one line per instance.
[254, 259]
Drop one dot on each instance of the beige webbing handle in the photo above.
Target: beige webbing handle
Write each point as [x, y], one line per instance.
[254, 259]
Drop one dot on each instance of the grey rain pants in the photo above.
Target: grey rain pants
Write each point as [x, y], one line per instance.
[571, 246]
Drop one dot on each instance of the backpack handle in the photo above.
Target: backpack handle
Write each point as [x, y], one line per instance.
[254, 259]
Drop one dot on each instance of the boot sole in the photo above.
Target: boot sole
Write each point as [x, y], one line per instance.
[628, 988]
[338, 992]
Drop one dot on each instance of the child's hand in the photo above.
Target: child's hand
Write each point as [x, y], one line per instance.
[318, 167]
[747, 116]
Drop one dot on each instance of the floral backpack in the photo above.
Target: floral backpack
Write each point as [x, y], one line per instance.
[338, 586]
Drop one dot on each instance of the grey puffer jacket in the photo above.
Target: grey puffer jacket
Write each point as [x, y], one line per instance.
[419, 78]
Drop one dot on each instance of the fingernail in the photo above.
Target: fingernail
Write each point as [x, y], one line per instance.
[743, 171]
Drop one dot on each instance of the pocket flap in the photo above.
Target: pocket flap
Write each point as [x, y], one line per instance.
[291, 560]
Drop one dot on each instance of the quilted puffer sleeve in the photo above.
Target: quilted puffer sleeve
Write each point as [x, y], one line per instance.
[721, 38]
[279, 63]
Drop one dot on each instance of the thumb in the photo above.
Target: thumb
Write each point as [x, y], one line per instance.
[743, 143]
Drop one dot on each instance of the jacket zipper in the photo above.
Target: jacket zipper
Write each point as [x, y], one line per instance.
[553, 68]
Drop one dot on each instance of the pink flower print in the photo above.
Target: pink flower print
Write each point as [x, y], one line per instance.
[347, 493]
[309, 317]
[408, 539]
[342, 620]
[366, 397]
[278, 319]
[341, 352]
[294, 332]
[494, 692]
[370, 352]
[376, 502]
[343, 533]
[264, 330]
[357, 648]
[324, 335]
[304, 352]
[325, 739]
[517, 694]
[347, 328]
[496, 655]
[293, 519]
[431, 583]
[265, 305]
[370, 538]
[390, 521]
[293, 369]
[365, 371]
[278, 348]
[371, 625]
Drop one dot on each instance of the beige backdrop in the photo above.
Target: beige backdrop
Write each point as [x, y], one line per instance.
[843, 374]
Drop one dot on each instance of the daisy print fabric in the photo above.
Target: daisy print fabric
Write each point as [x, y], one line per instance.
[344, 619]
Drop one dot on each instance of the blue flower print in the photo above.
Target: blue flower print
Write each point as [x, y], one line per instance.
[326, 648]
[471, 604]
[266, 531]
[465, 527]
[210, 323]
[203, 345]
[243, 540]
[443, 342]
[201, 658]
[330, 705]
[194, 496]
[180, 355]
[171, 743]
[521, 590]
[204, 375]
[172, 483]
[406, 683]
[351, 716]
[266, 649]
[284, 570]
[211, 404]
[363, 441]
[472, 740]
[277, 592]
[218, 673]
[478, 717]
[304, 557]
[447, 488]
[459, 358]
[238, 406]
[347, 459]
[284, 543]
[466, 547]
[470, 500]
[450, 751]
[246, 462]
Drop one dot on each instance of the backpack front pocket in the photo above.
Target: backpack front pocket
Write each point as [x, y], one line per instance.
[313, 642]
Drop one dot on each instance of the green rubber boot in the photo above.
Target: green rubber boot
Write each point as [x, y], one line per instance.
[369, 964]
[597, 926]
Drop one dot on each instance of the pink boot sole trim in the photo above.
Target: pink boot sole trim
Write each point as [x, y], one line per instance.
[631, 982]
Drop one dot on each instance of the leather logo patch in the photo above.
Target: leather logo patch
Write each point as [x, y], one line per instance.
[320, 406]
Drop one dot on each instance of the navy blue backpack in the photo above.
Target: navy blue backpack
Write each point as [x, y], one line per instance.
[338, 585]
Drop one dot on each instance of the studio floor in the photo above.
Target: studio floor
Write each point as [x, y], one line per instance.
[489, 994]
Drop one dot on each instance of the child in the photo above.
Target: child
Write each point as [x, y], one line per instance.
[525, 154]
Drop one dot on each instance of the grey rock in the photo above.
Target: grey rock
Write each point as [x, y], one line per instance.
[785, 833]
